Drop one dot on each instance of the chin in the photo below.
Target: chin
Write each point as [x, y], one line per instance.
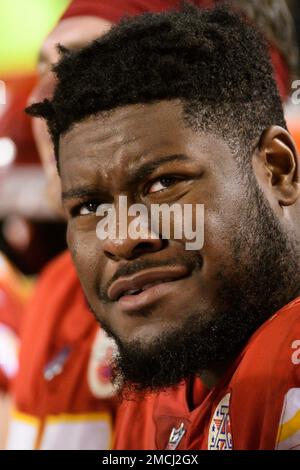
[141, 332]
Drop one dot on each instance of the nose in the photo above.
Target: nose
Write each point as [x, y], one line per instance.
[128, 248]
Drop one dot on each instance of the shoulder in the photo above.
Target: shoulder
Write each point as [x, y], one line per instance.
[60, 265]
[57, 296]
[274, 348]
[57, 281]
[267, 380]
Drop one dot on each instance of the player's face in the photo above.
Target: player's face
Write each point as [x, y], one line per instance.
[147, 153]
[71, 33]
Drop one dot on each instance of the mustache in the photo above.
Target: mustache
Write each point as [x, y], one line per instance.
[192, 261]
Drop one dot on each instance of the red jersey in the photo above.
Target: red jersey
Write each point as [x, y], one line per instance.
[63, 395]
[256, 405]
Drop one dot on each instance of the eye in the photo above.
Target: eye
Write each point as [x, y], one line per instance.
[86, 208]
[162, 183]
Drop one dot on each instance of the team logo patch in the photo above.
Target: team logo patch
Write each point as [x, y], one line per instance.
[220, 437]
[99, 369]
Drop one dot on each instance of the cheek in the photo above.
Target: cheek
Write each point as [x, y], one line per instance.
[216, 231]
[84, 248]
[209, 221]
[222, 226]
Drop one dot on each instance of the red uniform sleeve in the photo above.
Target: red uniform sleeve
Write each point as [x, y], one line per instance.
[265, 399]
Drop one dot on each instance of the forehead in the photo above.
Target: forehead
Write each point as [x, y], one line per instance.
[126, 125]
[129, 131]
[112, 142]
[72, 33]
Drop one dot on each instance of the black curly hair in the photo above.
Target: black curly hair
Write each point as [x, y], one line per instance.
[211, 60]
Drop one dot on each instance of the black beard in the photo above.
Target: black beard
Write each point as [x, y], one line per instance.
[265, 280]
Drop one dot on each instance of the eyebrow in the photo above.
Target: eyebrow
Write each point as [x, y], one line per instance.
[137, 175]
[80, 192]
[145, 170]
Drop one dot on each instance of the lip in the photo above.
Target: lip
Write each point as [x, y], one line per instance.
[162, 277]
[135, 303]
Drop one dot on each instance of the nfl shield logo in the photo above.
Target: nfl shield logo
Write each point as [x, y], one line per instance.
[220, 437]
[175, 437]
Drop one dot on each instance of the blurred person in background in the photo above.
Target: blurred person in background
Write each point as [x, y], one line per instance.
[51, 363]
[18, 233]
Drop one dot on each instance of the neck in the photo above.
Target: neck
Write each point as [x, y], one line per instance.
[213, 376]
[210, 379]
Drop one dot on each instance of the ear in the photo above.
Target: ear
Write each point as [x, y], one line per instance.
[276, 165]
